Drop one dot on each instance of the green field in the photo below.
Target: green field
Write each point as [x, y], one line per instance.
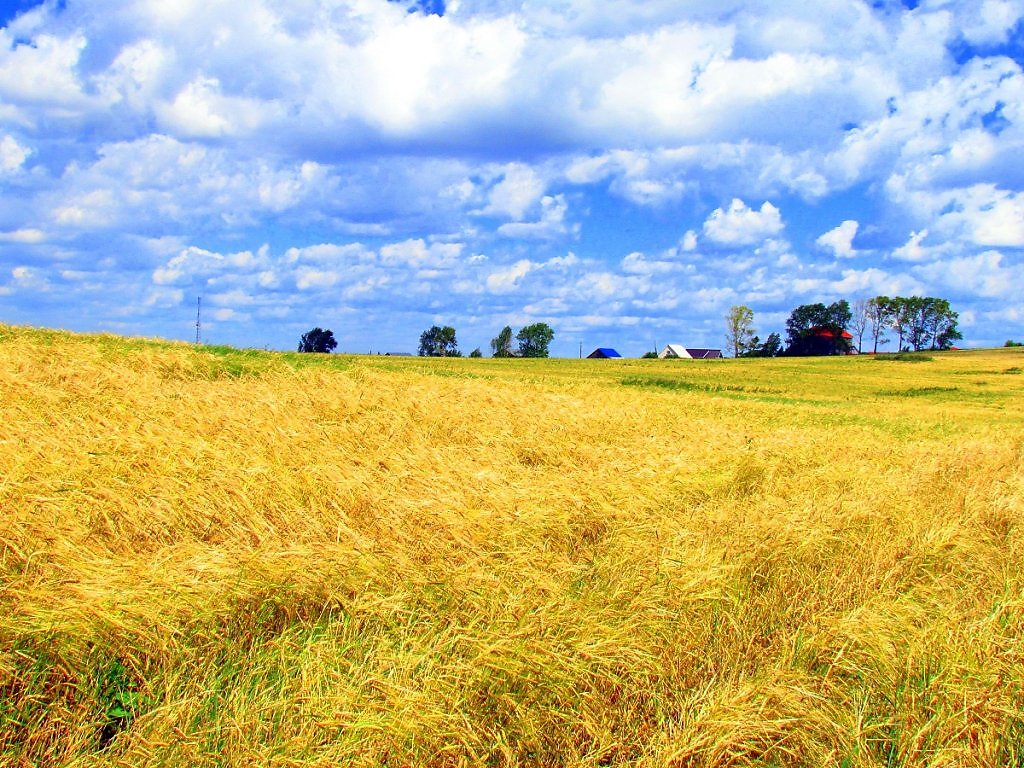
[217, 557]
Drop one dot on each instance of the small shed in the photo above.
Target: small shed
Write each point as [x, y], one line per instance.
[603, 353]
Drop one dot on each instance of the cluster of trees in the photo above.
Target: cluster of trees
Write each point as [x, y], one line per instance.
[816, 329]
[534, 341]
[918, 322]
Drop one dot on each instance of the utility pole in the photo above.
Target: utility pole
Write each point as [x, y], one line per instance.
[199, 322]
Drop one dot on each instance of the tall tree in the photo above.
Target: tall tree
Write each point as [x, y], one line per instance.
[903, 311]
[881, 311]
[859, 319]
[918, 309]
[534, 340]
[317, 340]
[501, 345]
[948, 333]
[739, 330]
[837, 318]
[439, 342]
[940, 323]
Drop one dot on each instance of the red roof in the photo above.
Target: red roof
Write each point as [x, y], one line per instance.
[825, 333]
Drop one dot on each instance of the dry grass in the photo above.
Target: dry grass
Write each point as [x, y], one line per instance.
[214, 557]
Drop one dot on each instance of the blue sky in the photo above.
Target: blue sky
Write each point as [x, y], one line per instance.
[624, 172]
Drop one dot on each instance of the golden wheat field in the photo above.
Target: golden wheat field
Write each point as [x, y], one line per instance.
[215, 557]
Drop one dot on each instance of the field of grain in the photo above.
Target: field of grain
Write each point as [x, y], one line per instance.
[213, 557]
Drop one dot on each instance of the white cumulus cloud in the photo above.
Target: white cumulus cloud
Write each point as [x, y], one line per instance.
[507, 279]
[550, 225]
[914, 249]
[12, 155]
[741, 225]
[25, 236]
[519, 190]
[840, 239]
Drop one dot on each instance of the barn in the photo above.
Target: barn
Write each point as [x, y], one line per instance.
[678, 351]
[704, 354]
[603, 353]
[823, 341]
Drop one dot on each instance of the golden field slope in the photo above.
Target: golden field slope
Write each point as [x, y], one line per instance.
[213, 557]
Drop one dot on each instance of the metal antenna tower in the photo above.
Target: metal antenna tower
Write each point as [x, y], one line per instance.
[199, 322]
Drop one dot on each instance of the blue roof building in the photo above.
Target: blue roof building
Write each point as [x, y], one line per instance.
[603, 353]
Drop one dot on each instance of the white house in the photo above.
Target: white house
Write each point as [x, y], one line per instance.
[674, 350]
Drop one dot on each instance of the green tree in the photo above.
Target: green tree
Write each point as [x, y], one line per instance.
[439, 342]
[881, 311]
[903, 312]
[799, 325]
[501, 345]
[317, 340]
[476, 353]
[739, 330]
[940, 323]
[916, 310]
[534, 340]
[949, 334]
[771, 347]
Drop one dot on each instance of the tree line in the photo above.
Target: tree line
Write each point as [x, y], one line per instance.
[533, 341]
[441, 341]
[916, 322]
